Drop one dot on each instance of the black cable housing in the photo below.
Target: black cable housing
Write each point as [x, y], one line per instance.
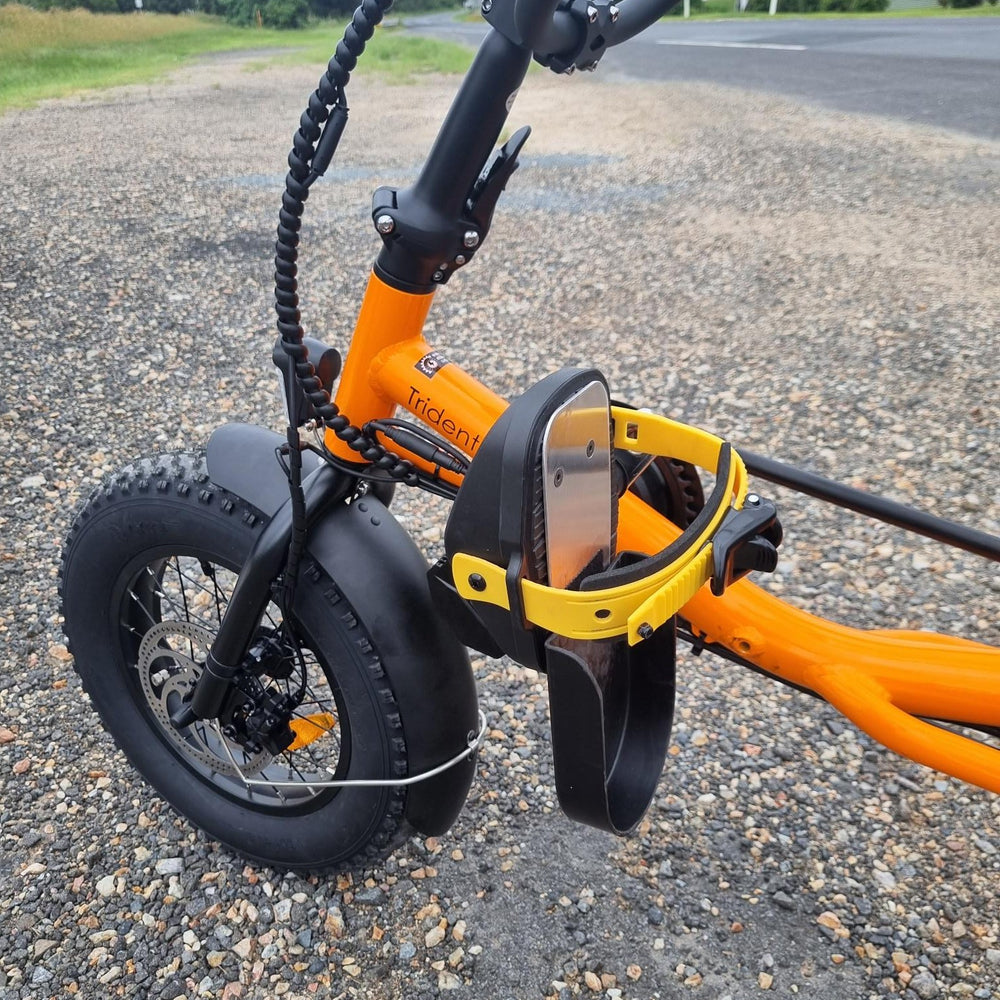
[320, 127]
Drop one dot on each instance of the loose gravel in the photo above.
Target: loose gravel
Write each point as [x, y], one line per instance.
[814, 286]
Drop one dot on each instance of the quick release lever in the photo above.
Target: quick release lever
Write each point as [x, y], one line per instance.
[487, 190]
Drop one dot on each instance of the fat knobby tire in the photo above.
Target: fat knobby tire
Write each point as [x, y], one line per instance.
[168, 506]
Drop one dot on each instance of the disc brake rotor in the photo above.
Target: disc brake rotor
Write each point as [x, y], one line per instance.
[167, 674]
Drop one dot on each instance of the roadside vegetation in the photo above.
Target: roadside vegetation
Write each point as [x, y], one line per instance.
[57, 52]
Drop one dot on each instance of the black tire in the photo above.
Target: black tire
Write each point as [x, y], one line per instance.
[128, 567]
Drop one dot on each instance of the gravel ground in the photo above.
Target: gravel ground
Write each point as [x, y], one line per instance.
[818, 287]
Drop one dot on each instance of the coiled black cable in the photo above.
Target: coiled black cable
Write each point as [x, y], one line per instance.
[320, 127]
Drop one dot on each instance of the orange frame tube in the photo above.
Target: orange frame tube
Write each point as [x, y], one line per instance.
[886, 682]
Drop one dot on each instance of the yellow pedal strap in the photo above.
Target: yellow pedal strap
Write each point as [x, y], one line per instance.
[639, 606]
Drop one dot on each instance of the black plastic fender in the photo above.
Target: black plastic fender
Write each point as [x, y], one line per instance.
[383, 576]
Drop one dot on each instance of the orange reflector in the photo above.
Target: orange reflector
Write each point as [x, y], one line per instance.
[310, 729]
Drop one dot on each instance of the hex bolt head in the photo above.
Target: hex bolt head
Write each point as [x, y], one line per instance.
[437, 276]
[460, 259]
[470, 239]
[385, 224]
[753, 499]
[613, 11]
[591, 14]
[645, 631]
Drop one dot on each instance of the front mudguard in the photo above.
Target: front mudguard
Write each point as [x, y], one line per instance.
[383, 576]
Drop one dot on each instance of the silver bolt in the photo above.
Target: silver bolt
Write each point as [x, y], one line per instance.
[753, 499]
[460, 259]
[591, 14]
[590, 67]
[437, 276]
[614, 12]
[570, 70]
[385, 224]
[470, 239]
[487, 6]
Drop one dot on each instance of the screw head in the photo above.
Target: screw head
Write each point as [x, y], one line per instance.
[385, 224]
[477, 583]
[645, 631]
[753, 499]
[460, 259]
[487, 6]
[470, 239]
[591, 14]
[614, 12]
[437, 276]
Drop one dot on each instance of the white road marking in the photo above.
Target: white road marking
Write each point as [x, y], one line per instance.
[734, 45]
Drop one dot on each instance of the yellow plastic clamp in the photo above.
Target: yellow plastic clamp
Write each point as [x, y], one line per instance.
[648, 603]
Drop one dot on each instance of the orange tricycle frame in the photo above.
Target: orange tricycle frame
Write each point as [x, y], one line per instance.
[888, 682]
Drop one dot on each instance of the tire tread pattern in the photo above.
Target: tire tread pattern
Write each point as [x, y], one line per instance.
[184, 476]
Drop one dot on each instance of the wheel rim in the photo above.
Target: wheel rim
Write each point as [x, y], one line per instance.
[170, 612]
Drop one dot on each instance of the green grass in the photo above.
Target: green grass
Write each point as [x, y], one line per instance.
[58, 52]
[391, 54]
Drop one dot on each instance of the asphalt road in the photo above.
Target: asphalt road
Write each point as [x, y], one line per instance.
[934, 71]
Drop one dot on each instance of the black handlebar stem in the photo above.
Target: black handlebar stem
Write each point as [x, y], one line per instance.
[432, 228]
[427, 225]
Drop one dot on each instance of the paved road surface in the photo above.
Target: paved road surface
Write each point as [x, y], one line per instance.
[934, 71]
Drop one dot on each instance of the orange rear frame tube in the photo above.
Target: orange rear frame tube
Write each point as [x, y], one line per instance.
[885, 681]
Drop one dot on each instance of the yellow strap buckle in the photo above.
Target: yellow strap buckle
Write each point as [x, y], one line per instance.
[636, 608]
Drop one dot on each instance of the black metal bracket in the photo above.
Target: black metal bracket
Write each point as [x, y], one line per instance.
[431, 245]
[593, 20]
[325, 360]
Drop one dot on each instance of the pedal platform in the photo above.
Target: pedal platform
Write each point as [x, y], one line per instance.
[531, 571]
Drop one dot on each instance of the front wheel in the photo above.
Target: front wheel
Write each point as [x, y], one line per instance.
[148, 569]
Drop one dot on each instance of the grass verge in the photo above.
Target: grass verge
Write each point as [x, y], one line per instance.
[59, 52]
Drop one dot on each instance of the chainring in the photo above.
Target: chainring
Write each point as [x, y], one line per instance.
[672, 488]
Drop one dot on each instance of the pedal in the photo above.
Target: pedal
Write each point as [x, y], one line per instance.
[531, 570]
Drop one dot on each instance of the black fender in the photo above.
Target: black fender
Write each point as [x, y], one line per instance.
[383, 576]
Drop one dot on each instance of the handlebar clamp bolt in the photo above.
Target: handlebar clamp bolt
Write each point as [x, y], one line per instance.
[591, 14]
[385, 224]
[613, 12]
[470, 239]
